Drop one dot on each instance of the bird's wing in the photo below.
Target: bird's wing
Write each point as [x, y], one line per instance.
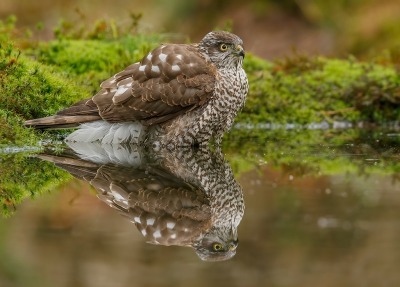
[170, 80]
[84, 107]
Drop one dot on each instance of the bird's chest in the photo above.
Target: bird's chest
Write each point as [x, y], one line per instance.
[230, 93]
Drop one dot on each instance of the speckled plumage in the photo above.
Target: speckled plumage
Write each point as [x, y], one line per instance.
[180, 94]
[183, 197]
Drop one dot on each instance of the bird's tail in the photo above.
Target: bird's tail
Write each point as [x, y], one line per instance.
[108, 133]
[61, 122]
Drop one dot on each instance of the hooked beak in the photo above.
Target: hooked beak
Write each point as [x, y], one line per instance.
[233, 245]
[239, 51]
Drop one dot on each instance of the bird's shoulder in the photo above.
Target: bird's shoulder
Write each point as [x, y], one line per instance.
[166, 62]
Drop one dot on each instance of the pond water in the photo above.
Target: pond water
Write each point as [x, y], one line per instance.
[321, 208]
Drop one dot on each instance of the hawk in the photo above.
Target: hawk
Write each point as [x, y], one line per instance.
[179, 94]
[182, 197]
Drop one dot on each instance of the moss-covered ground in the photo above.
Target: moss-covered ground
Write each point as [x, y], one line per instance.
[304, 89]
[39, 78]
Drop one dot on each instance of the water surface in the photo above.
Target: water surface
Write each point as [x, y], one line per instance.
[321, 209]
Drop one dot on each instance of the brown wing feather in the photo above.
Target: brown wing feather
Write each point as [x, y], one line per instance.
[169, 81]
[126, 73]
[85, 107]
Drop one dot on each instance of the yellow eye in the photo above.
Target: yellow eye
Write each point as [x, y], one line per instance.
[223, 47]
[217, 247]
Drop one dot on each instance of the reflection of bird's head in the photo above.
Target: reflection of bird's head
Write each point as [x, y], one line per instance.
[224, 49]
[217, 244]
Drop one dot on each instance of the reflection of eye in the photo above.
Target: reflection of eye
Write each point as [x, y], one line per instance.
[217, 247]
[223, 47]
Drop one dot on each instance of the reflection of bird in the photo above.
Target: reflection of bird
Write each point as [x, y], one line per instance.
[180, 197]
[193, 91]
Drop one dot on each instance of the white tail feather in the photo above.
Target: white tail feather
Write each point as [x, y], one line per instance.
[109, 136]
[106, 133]
[130, 131]
[89, 132]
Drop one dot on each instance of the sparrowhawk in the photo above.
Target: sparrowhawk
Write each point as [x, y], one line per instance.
[178, 94]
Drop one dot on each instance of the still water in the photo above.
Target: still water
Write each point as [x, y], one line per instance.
[272, 208]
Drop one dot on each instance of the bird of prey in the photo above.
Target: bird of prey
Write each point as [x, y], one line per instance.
[178, 94]
[182, 197]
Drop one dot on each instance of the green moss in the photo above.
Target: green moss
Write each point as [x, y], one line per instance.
[29, 89]
[32, 90]
[297, 91]
[89, 62]
[12, 131]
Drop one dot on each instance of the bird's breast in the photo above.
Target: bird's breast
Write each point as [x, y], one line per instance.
[230, 94]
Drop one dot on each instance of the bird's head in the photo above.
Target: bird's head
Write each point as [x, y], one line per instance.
[217, 244]
[223, 49]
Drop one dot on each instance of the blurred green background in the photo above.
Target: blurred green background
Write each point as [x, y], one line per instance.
[269, 28]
